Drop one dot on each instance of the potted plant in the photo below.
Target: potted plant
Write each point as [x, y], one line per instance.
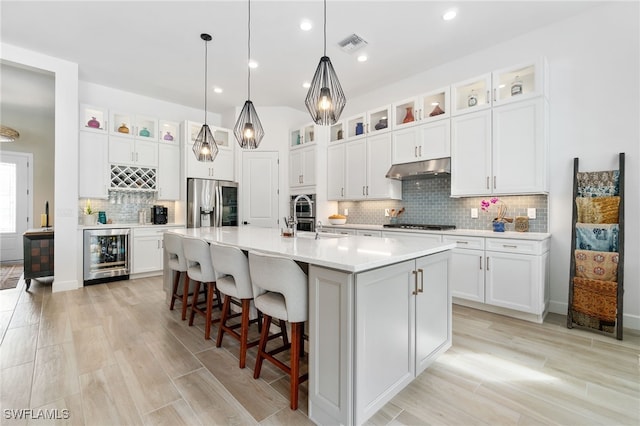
[89, 217]
[501, 213]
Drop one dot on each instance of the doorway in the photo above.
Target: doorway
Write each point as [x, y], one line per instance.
[16, 203]
[260, 194]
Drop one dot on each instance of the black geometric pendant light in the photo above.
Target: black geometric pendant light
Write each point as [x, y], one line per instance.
[325, 99]
[248, 129]
[205, 147]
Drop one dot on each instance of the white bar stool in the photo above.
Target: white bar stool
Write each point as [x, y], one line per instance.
[281, 291]
[178, 264]
[200, 269]
[236, 283]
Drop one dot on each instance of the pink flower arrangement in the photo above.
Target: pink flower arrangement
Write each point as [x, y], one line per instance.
[501, 209]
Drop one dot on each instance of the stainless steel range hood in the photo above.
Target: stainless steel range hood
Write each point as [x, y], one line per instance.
[420, 169]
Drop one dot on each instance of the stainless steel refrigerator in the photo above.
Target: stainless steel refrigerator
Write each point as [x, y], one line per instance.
[211, 203]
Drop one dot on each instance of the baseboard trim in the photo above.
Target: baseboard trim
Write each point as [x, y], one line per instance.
[64, 285]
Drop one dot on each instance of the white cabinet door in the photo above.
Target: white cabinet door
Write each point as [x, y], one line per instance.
[385, 344]
[356, 170]
[519, 148]
[405, 146]
[93, 165]
[121, 150]
[512, 281]
[467, 274]
[223, 167]
[435, 140]
[147, 254]
[471, 154]
[195, 168]
[146, 153]
[335, 172]
[309, 166]
[302, 166]
[378, 162]
[433, 309]
[168, 172]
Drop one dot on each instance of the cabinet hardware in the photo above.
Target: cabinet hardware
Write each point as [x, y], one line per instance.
[420, 114]
[342, 192]
[488, 98]
[494, 182]
[363, 191]
[415, 151]
[487, 182]
[415, 291]
[367, 190]
[420, 151]
[367, 127]
[480, 262]
[462, 242]
[494, 95]
[487, 263]
[421, 289]
[510, 246]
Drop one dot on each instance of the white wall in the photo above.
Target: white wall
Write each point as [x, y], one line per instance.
[66, 262]
[594, 97]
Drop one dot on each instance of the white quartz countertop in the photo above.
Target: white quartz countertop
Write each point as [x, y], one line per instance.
[535, 236]
[130, 225]
[343, 252]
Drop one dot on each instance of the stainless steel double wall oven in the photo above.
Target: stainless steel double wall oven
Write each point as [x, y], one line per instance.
[304, 213]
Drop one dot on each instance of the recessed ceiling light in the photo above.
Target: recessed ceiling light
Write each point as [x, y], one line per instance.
[306, 84]
[253, 64]
[306, 25]
[449, 15]
[217, 89]
[362, 58]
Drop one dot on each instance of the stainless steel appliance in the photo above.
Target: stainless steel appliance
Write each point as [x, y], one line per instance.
[304, 212]
[159, 215]
[422, 227]
[211, 203]
[106, 255]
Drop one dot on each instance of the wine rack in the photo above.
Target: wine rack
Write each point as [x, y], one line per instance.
[136, 178]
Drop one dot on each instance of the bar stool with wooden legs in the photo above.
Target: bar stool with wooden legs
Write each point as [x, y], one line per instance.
[236, 283]
[280, 291]
[200, 269]
[178, 265]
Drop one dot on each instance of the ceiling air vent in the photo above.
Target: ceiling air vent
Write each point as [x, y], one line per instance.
[352, 43]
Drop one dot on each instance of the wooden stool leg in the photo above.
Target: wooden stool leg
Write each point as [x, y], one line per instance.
[264, 336]
[207, 324]
[296, 337]
[185, 297]
[223, 319]
[194, 301]
[244, 332]
[176, 281]
[283, 329]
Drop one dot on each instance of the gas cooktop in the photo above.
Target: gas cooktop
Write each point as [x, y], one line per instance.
[419, 226]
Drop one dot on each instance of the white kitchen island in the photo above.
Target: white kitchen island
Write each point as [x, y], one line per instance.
[379, 312]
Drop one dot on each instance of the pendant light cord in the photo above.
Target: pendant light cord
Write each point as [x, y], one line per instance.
[325, 27]
[249, 54]
[205, 81]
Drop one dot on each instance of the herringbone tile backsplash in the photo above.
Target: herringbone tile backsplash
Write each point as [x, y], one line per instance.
[428, 201]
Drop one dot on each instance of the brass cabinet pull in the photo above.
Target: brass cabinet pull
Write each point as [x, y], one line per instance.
[415, 291]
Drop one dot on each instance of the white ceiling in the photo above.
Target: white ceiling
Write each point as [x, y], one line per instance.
[153, 48]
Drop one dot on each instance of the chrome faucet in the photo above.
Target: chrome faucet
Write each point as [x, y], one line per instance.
[295, 217]
[318, 228]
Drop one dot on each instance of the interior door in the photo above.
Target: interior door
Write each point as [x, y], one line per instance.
[259, 188]
[16, 203]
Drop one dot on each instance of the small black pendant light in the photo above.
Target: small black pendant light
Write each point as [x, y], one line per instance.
[205, 147]
[325, 99]
[248, 129]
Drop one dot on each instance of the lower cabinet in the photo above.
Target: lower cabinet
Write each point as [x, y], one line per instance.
[148, 247]
[501, 273]
[400, 317]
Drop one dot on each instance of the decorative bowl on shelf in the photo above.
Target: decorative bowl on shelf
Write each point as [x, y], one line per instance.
[337, 219]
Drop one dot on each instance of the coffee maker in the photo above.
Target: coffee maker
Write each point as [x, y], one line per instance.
[159, 215]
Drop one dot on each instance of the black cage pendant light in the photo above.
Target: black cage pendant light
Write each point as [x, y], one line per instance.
[205, 147]
[325, 99]
[248, 129]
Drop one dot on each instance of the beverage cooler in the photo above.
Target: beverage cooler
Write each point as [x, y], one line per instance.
[106, 255]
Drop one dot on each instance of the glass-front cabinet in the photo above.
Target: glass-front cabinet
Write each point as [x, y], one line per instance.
[336, 132]
[169, 132]
[303, 135]
[421, 109]
[471, 95]
[128, 125]
[93, 119]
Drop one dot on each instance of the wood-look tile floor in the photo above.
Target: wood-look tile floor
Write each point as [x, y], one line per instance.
[113, 354]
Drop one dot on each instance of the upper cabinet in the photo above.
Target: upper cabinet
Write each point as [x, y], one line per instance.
[500, 146]
[421, 109]
[223, 166]
[128, 125]
[93, 119]
[303, 135]
[169, 132]
[511, 84]
[372, 122]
